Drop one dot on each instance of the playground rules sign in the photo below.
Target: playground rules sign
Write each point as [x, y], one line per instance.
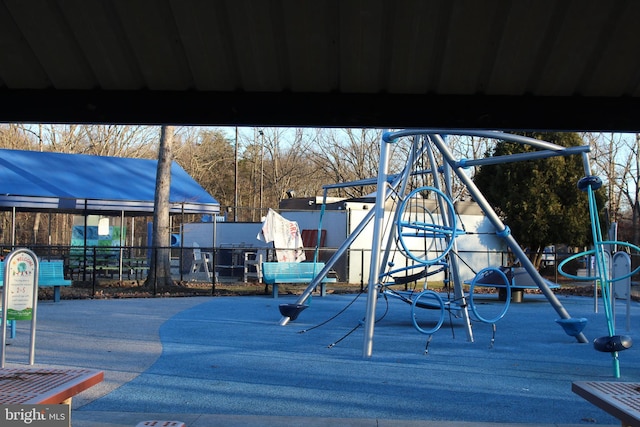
[20, 286]
[20, 295]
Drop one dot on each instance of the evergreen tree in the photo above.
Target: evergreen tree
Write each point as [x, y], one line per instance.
[539, 199]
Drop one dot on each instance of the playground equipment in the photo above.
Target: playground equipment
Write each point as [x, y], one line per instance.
[437, 230]
[414, 222]
[612, 343]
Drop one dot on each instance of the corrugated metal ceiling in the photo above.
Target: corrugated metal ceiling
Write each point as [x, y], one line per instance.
[453, 63]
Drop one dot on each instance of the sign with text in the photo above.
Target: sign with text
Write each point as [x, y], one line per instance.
[35, 415]
[20, 295]
[20, 284]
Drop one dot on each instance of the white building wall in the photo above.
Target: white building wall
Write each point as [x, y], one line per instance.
[479, 247]
[239, 234]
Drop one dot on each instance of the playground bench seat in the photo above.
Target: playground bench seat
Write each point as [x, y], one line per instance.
[519, 281]
[617, 398]
[274, 273]
[50, 274]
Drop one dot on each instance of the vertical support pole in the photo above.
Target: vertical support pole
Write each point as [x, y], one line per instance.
[235, 178]
[13, 227]
[402, 187]
[372, 291]
[214, 276]
[448, 219]
[120, 265]
[5, 304]
[84, 245]
[32, 338]
[316, 253]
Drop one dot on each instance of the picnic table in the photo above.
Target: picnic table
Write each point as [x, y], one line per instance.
[45, 385]
[620, 399]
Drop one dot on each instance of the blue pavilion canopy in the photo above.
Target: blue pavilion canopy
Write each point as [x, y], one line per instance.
[78, 183]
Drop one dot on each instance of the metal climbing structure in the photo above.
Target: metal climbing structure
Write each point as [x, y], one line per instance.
[412, 221]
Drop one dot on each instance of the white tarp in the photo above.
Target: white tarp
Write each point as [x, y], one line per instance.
[285, 235]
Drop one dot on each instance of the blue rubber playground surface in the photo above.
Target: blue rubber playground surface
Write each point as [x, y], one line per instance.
[226, 361]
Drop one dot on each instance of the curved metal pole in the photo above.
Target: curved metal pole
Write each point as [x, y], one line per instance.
[486, 134]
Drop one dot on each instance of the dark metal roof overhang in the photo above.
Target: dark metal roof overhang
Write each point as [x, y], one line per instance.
[506, 65]
[488, 112]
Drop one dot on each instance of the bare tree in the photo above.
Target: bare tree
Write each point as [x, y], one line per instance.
[630, 188]
[287, 162]
[208, 157]
[62, 138]
[634, 196]
[118, 140]
[160, 263]
[15, 136]
[470, 148]
[347, 155]
[101, 140]
[614, 157]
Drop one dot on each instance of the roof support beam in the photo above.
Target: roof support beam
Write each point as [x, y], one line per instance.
[571, 113]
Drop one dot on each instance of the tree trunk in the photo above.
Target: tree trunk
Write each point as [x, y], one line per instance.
[160, 263]
[36, 226]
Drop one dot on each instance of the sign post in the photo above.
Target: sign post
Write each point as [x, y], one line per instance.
[20, 295]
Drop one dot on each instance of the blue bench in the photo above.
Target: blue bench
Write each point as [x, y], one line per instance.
[274, 273]
[50, 274]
